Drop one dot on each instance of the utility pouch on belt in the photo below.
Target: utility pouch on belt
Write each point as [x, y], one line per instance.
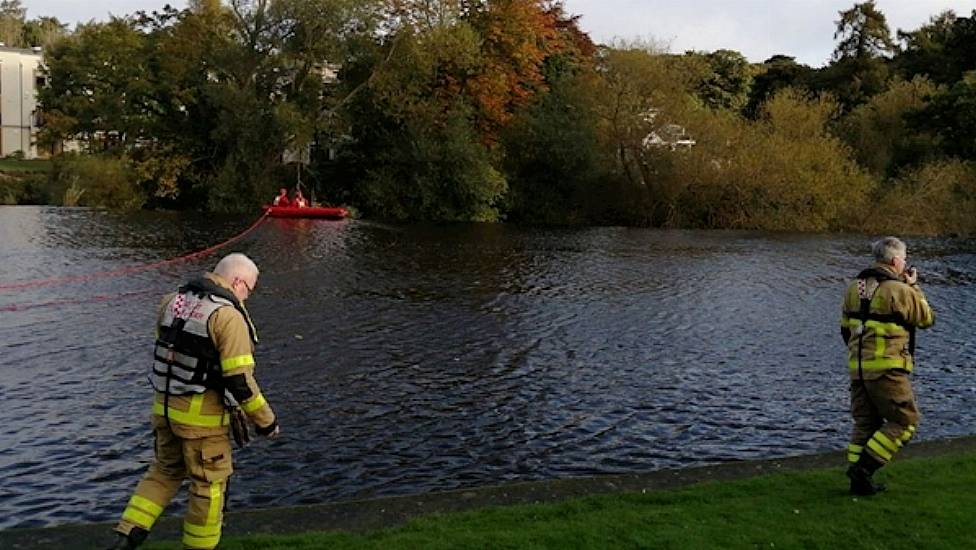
[238, 427]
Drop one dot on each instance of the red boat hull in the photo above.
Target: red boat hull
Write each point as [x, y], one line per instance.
[331, 213]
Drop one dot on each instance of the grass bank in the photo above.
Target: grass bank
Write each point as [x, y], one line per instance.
[27, 182]
[930, 505]
[19, 166]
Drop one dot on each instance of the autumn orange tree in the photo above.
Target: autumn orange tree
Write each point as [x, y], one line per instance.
[426, 134]
[517, 37]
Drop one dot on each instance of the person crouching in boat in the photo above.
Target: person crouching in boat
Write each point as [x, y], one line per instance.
[282, 198]
[300, 201]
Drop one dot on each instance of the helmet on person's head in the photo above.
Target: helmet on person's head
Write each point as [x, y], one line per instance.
[283, 191]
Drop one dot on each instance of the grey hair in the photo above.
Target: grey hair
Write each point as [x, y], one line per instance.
[887, 248]
[236, 265]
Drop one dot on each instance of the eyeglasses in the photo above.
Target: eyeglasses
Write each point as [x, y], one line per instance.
[250, 289]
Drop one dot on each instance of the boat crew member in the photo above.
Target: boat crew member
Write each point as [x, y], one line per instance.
[282, 198]
[300, 201]
[882, 308]
[203, 377]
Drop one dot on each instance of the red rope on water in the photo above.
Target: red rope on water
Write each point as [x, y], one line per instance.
[71, 302]
[132, 269]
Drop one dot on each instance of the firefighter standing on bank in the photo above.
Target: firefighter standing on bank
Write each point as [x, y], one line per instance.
[203, 376]
[882, 308]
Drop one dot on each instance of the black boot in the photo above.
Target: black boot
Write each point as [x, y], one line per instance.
[861, 473]
[131, 541]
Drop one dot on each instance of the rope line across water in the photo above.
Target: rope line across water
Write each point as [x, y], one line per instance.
[76, 301]
[129, 270]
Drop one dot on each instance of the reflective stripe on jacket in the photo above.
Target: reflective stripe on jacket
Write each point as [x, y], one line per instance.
[186, 359]
[881, 342]
[217, 337]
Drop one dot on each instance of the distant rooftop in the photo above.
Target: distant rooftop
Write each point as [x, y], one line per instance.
[36, 50]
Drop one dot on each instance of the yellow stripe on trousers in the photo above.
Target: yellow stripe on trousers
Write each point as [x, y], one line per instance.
[206, 536]
[142, 511]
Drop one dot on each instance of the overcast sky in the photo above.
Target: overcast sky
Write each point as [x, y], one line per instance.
[757, 28]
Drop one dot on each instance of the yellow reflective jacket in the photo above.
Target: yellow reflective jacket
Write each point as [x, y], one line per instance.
[881, 341]
[204, 414]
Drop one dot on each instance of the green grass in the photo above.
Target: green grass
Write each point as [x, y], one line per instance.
[931, 505]
[21, 166]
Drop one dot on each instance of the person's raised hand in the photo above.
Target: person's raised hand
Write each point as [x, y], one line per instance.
[911, 275]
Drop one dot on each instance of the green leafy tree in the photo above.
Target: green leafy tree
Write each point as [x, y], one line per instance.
[880, 133]
[782, 171]
[859, 70]
[554, 162]
[643, 96]
[12, 17]
[775, 74]
[219, 93]
[924, 51]
[97, 87]
[270, 82]
[863, 32]
[938, 197]
[44, 32]
[952, 114]
[432, 172]
[726, 79]
[642, 91]
[943, 49]
[416, 151]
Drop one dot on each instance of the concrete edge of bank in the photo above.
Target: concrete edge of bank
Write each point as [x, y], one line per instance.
[364, 515]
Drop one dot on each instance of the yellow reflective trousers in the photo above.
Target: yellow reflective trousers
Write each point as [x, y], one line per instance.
[207, 463]
[885, 416]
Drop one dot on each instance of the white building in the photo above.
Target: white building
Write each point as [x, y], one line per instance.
[671, 136]
[21, 74]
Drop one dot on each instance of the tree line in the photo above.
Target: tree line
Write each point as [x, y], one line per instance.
[478, 110]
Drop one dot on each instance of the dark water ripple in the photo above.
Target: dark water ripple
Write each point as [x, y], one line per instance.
[411, 359]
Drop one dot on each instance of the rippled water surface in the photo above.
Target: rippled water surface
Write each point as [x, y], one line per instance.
[409, 359]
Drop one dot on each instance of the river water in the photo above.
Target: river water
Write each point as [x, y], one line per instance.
[407, 359]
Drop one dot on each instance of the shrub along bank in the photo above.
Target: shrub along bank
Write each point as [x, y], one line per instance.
[26, 182]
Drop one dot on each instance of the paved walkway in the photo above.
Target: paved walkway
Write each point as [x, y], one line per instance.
[377, 513]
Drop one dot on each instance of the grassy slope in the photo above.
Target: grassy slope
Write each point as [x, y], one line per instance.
[21, 166]
[932, 504]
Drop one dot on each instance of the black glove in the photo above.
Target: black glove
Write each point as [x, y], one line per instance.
[238, 427]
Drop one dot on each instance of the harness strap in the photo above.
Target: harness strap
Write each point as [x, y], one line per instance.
[864, 311]
[173, 330]
[894, 318]
[169, 337]
[863, 314]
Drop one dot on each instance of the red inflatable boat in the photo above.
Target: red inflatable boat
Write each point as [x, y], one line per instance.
[331, 213]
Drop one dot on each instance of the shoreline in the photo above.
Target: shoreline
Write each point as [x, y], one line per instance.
[383, 512]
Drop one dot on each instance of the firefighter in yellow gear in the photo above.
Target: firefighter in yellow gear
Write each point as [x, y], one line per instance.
[882, 308]
[203, 374]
